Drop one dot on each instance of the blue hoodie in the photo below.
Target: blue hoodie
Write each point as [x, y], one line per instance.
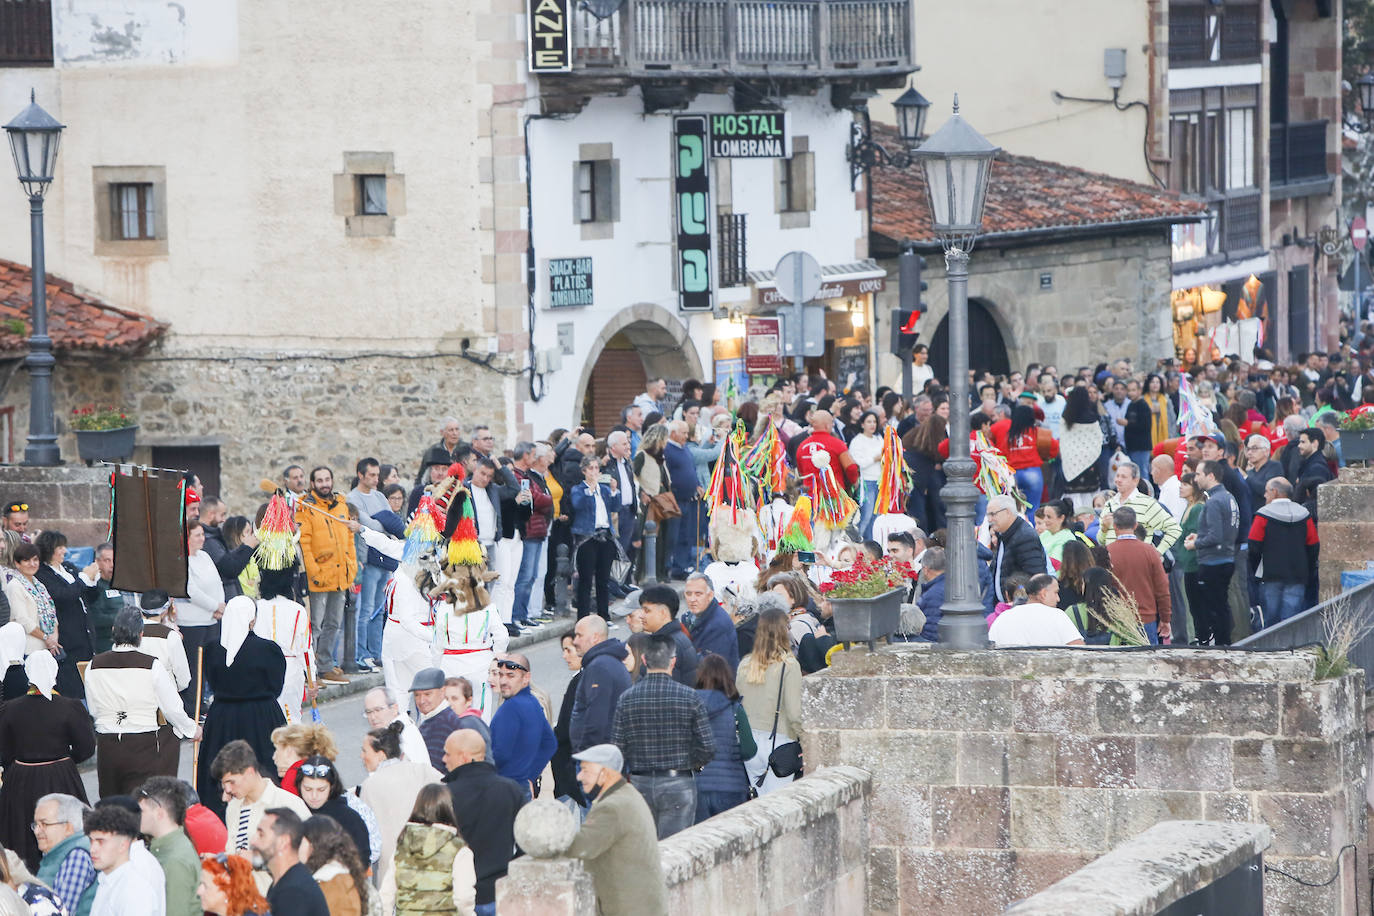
[521, 738]
[604, 679]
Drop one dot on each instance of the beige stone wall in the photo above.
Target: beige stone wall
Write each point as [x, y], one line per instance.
[1347, 528]
[269, 412]
[1110, 299]
[997, 773]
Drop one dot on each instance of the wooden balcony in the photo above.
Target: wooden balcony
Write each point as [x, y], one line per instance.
[744, 38]
[25, 33]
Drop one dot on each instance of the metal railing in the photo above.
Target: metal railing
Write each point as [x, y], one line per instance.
[1306, 629]
[645, 37]
[1297, 152]
[25, 33]
[1240, 223]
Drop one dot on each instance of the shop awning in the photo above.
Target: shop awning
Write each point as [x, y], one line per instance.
[838, 281]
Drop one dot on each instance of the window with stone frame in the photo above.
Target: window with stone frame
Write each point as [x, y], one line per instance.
[595, 184]
[794, 186]
[369, 194]
[130, 210]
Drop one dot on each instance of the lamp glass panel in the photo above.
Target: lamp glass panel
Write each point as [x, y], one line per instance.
[937, 186]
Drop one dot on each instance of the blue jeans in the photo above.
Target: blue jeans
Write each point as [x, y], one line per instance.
[682, 556]
[672, 799]
[1142, 461]
[524, 580]
[484, 909]
[709, 804]
[1031, 482]
[1152, 631]
[867, 507]
[1282, 600]
[369, 638]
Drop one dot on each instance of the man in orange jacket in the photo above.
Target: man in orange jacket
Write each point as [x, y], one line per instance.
[331, 564]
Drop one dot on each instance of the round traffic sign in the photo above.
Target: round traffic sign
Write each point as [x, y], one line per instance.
[798, 276]
[1359, 233]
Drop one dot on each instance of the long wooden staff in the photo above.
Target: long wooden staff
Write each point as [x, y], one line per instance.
[200, 692]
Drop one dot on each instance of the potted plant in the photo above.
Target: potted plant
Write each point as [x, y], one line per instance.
[867, 598]
[1357, 436]
[103, 433]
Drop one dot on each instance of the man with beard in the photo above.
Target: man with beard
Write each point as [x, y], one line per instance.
[331, 563]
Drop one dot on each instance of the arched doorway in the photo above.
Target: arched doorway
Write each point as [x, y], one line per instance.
[639, 343]
[986, 349]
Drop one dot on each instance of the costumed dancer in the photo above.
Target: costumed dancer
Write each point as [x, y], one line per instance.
[162, 641]
[246, 674]
[734, 529]
[894, 483]
[138, 715]
[15, 683]
[286, 623]
[468, 630]
[43, 736]
[833, 506]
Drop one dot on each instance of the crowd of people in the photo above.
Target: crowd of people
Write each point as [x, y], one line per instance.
[1116, 507]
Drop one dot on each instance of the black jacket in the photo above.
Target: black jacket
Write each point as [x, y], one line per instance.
[745, 632]
[485, 803]
[1256, 480]
[1018, 550]
[562, 765]
[1312, 472]
[296, 892]
[1284, 538]
[229, 562]
[1235, 485]
[1136, 435]
[73, 623]
[685, 670]
[604, 679]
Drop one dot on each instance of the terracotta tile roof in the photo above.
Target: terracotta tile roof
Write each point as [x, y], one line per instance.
[76, 322]
[1026, 196]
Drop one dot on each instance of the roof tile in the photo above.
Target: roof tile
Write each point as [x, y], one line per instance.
[76, 322]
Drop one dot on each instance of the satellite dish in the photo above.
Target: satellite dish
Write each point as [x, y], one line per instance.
[601, 8]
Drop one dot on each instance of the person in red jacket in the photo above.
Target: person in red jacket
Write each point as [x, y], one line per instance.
[1283, 551]
[822, 439]
[1019, 439]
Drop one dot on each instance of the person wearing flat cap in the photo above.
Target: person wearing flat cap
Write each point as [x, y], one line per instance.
[435, 718]
[618, 841]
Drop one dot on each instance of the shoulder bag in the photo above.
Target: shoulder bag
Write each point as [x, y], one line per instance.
[785, 760]
[663, 506]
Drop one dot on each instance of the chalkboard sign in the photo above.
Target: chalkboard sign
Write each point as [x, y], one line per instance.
[855, 360]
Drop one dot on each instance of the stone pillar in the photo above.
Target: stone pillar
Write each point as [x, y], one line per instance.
[73, 499]
[543, 882]
[1345, 526]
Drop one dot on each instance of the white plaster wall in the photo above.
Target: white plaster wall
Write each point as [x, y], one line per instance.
[144, 32]
[1005, 57]
[249, 105]
[637, 265]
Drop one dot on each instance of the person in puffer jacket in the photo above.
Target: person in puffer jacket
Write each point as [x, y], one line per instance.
[723, 783]
[604, 679]
[433, 871]
[1283, 551]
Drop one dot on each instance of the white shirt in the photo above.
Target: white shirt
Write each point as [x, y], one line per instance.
[206, 589]
[603, 517]
[1033, 624]
[137, 886]
[1169, 498]
[1118, 412]
[867, 452]
[1053, 410]
[485, 515]
[627, 494]
[412, 742]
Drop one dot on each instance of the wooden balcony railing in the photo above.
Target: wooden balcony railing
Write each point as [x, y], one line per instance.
[776, 37]
[25, 33]
[1297, 152]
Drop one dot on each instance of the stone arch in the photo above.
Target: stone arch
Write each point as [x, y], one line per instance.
[659, 337]
[987, 340]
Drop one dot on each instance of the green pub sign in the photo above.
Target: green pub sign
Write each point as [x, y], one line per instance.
[749, 135]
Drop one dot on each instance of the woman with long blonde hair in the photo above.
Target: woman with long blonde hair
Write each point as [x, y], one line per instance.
[769, 683]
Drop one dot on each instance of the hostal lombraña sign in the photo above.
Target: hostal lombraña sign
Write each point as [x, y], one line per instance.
[570, 282]
[753, 135]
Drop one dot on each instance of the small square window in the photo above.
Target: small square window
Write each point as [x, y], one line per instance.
[586, 192]
[372, 195]
[133, 214]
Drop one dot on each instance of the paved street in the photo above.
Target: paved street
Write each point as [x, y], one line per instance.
[345, 716]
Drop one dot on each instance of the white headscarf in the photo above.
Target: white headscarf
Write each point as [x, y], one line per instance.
[11, 644]
[41, 668]
[235, 625]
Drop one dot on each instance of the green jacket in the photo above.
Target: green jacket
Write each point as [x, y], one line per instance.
[51, 862]
[424, 869]
[181, 868]
[618, 844]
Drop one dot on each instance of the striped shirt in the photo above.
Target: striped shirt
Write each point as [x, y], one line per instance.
[241, 834]
[1148, 512]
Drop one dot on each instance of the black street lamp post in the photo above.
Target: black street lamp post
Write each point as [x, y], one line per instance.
[957, 161]
[34, 137]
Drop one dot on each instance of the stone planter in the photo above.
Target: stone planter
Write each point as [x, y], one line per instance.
[94, 445]
[1357, 445]
[867, 619]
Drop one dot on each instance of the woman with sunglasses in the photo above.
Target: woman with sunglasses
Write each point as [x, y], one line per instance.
[227, 887]
[323, 793]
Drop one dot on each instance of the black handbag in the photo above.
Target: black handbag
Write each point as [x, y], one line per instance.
[783, 759]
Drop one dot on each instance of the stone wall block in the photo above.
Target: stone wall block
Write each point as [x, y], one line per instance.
[1191, 763]
[884, 882]
[970, 816]
[906, 819]
[1096, 762]
[893, 756]
[820, 748]
[1284, 895]
[1013, 759]
[1188, 708]
[1238, 807]
[1037, 869]
[1056, 706]
[1276, 764]
[862, 699]
[972, 882]
[1134, 812]
[1043, 818]
[962, 704]
[1304, 825]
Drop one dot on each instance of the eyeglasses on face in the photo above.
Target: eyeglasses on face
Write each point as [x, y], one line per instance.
[46, 825]
[316, 770]
[511, 666]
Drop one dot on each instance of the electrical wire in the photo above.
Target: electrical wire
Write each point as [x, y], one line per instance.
[1327, 883]
[1115, 102]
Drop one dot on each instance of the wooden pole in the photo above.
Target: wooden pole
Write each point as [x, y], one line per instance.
[200, 692]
